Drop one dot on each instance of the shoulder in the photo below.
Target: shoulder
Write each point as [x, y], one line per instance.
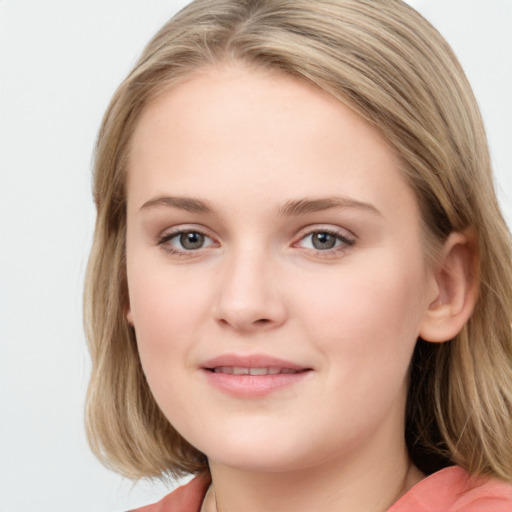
[187, 498]
[454, 490]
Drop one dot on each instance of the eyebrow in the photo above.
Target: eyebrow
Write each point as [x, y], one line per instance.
[303, 206]
[188, 204]
[290, 208]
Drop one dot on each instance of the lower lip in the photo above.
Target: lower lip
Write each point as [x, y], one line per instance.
[253, 386]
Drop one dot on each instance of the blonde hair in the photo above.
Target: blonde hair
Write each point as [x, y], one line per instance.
[393, 68]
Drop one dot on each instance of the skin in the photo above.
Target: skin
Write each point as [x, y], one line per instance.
[247, 142]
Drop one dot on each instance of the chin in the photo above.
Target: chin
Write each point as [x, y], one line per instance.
[262, 455]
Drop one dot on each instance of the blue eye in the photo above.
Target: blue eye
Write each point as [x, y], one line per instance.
[185, 241]
[191, 241]
[325, 241]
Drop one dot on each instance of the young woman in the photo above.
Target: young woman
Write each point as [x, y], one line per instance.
[300, 288]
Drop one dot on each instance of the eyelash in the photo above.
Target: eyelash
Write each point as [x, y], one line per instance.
[166, 238]
[345, 242]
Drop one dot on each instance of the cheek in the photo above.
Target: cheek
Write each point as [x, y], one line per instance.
[166, 313]
[369, 316]
[166, 323]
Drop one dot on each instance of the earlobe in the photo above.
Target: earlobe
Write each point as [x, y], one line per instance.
[129, 316]
[456, 279]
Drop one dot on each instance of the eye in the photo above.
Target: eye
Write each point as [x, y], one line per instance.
[325, 241]
[191, 241]
[185, 241]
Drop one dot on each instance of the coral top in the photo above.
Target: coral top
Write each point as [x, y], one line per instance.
[448, 490]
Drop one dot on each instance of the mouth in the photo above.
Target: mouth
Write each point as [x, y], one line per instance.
[253, 376]
[240, 370]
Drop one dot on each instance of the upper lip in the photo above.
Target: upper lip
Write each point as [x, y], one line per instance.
[251, 361]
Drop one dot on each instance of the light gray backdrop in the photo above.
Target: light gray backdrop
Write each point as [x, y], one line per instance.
[60, 62]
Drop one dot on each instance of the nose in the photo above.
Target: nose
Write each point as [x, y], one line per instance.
[250, 297]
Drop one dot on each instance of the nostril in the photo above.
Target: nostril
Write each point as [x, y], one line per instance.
[245, 325]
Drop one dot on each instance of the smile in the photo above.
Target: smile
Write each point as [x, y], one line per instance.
[238, 370]
[253, 376]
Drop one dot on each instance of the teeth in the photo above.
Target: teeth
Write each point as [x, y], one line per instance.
[240, 371]
[258, 371]
[236, 370]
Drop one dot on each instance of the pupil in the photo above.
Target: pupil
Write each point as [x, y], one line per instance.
[191, 241]
[323, 241]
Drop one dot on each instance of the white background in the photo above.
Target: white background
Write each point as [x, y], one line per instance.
[60, 62]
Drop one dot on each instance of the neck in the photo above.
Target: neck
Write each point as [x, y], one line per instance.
[367, 486]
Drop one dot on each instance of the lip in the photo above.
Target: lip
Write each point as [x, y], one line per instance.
[252, 386]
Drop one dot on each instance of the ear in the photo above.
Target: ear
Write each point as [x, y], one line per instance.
[457, 281]
[129, 315]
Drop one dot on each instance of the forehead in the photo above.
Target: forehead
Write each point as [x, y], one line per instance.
[229, 129]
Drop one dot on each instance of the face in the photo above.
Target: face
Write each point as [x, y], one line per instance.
[276, 271]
